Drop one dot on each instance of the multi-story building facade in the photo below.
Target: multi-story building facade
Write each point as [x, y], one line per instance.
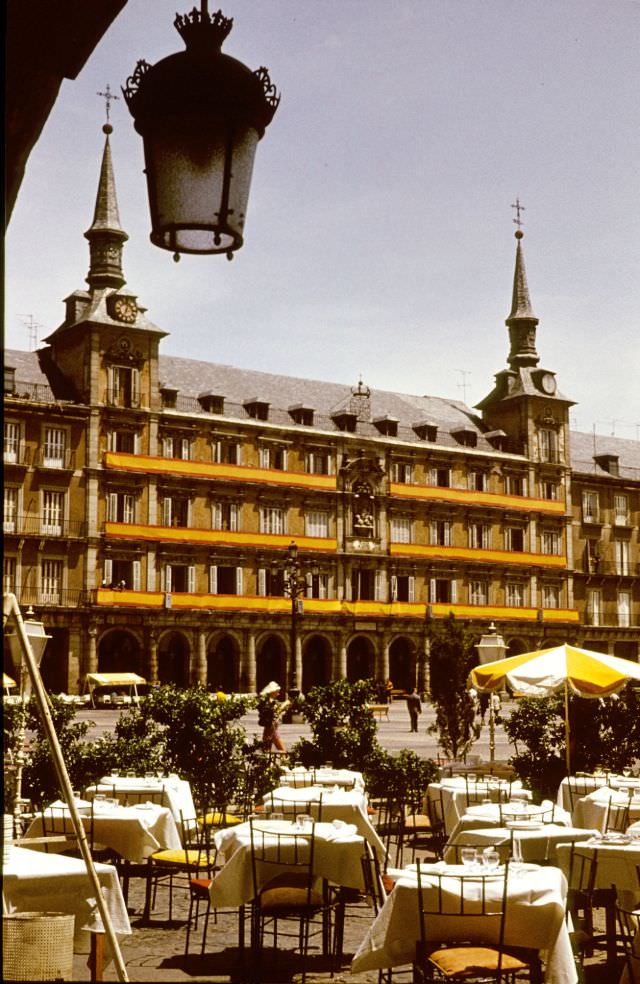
[150, 501]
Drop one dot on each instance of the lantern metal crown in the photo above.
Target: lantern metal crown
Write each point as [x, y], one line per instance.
[201, 114]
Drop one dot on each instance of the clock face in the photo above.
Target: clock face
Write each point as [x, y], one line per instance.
[548, 383]
[125, 309]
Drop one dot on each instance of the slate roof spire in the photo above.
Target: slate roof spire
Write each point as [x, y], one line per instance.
[106, 236]
[522, 321]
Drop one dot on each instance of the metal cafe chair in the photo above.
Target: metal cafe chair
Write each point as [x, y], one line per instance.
[196, 858]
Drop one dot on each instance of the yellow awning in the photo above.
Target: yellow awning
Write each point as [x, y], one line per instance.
[113, 680]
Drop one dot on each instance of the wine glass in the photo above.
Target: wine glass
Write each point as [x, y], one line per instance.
[468, 856]
[490, 859]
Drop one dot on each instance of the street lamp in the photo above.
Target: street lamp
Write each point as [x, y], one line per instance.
[295, 586]
[491, 647]
[200, 114]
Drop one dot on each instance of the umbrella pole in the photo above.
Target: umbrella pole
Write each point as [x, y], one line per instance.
[567, 727]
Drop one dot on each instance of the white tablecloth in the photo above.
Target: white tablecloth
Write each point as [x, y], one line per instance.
[337, 857]
[349, 805]
[488, 815]
[134, 832]
[616, 863]
[299, 776]
[537, 845]
[582, 785]
[36, 882]
[535, 918]
[591, 810]
[455, 797]
[173, 793]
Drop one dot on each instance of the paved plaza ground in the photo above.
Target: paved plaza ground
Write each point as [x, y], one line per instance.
[155, 952]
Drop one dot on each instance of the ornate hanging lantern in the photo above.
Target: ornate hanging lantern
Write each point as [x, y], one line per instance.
[200, 114]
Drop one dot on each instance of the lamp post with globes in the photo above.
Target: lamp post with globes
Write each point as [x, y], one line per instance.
[490, 648]
[295, 587]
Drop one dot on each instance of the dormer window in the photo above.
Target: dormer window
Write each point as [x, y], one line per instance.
[497, 439]
[465, 435]
[256, 408]
[388, 426]
[345, 420]
[169, 397]
[426, 430]
[301, 414]
[608, 462]
[9, 379]
[211, 402]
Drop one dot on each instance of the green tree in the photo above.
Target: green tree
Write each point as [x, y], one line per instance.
[343, 728]
[452, 656]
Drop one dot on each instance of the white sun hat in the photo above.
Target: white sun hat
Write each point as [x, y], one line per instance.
[271, 688]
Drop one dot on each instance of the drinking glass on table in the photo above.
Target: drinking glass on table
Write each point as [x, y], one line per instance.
[304, 821]
[276, 816]
[490, 859]
[468, 856]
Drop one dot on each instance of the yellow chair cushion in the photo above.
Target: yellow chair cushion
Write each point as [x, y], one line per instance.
[289, 891]
[417, 822]
[464, 961]
[192, 858]
[219, 819]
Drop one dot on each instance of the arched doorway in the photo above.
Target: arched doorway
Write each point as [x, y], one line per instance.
[316, 663]
[517, 646]
[402, 664]
[173, 659]
[360, 659]
[120, 652]
[271, 663]
[222, 665]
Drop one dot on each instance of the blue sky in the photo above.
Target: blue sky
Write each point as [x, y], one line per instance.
[379, 238]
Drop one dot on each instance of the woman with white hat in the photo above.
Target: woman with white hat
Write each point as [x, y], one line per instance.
[270, 708]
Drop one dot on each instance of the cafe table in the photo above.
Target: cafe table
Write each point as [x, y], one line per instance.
[604, 803]
[338, 849]
[587, 784]
[535, 916]
[322, 776]
[493, 815]
[169, 791]
[36, 882]
[457, 794]
[538, 841]
[348, 805]
[133, 832]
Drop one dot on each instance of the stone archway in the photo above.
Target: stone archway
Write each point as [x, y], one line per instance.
[173, 659]
[120, 652]
[271, 662]
[316, 663]
[223, 665]
[402, 663]
[516, 646]
[360, 659]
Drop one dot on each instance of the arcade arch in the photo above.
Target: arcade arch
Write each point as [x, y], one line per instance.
[402, 663]
[173, 659]
[316, 663]
[119, 651]
[360, 659]
[223, 664]
[271, 662]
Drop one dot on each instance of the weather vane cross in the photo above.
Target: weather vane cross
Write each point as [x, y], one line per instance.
[518, 207]
[107, 95]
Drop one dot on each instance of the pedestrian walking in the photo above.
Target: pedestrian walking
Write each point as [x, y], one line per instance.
[270, 710]
[414, 706]
[483, 704]
[388, 687]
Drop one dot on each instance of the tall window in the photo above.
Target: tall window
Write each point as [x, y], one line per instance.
[51, 582]
[270, 583]
[594, 606]
[176, 447]
[550, 596]
[515, 485]
[621, 553]
[440, 476]
[479, 536]
[401, 529]
[175, 511]
[272, 520]
[11, 441]
[620, 510]
[402, 587]
[318, 462]
[479, 592]
[124, 441]
[514, 537]
[52, 512]
[548, 444]
[516, 594]
[440, 532]
[227, 452]
[54, 447]
[402, 472]
[180, 578]
[9, 574]
[10, 512]
[590, 507]
[225, 580]
[120, 507]
[442, 591]
[225, 516]
[365, 585]
[624, 609]
[123, 386]
[477, 480]
[549, 490]
[317, 585]
[316, 523]
[273, 457]
[550, 542]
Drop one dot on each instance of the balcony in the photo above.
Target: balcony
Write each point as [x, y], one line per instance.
[229, 538]
[55, 460]
[18, 456]
[38, 525]
[52, 598]
[610, 616]
[595, 567]
[479, 556]
[471, 497]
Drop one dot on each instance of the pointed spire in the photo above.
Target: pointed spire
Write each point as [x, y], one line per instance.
[106, 237]
[521, 321]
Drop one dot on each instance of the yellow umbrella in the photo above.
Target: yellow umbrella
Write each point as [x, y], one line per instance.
[545, 671]
[7, 682]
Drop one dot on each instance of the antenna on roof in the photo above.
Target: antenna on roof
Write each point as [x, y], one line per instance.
[463, 382]
[32, 329]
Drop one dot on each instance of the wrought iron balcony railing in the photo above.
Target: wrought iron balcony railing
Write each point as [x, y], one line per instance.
[52, 597]
[39, 525]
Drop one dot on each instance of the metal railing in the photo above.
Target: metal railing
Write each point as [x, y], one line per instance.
[38, 525]
[593, 565]
[19, 455]
[45, 458]
[609, 615]
[52, 598]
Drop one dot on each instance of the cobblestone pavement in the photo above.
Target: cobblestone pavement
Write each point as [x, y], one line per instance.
[155, 952]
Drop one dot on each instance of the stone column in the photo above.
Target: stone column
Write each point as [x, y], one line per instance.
[298, 658]
[153, 657]
[382, 670]
[248, 672]
[342, 658]
[423, 666]
[201, 665]
[92, 655]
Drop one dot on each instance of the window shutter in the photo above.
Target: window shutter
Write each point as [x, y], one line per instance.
[330, 465]
[167, 447]
[185, 449]
[378, 587]
[262, 582]
[136, 574]
[323, 586]
[107, 571]
[239, 581]
[112, 507]
[189, 514]
[394, 588]
[454, 591]
[112, 377]
[166, 511]
[191, 580]
[348, 587]
[129, 509]
[135, 387]
[216, 516]
[309, 580]
[433, 531]
[233, 516]
[264, 457]
[433, 476]
[111, 440]
[167, 577]
[411, 587]
[432, 589]
[447, 533]
[137, 443]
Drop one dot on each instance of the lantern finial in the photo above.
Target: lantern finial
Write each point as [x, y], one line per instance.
[201, 29]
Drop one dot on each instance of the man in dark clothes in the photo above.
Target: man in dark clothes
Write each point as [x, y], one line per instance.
[414, 706]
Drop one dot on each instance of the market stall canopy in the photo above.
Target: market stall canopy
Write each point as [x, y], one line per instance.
[8, 682]
[113, 680]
